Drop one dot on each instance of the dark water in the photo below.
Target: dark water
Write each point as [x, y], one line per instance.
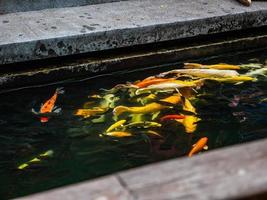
[81, 154]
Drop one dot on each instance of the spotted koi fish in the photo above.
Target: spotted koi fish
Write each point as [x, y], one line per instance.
[49, 106]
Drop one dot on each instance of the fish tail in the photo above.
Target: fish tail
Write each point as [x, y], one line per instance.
[60, 90]
[119, 110]
[190, 154]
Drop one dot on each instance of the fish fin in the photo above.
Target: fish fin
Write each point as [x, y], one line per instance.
[239, 83]
[34, 112]
[206, 147]
[57, 110]
[60, 90]
[155, 115]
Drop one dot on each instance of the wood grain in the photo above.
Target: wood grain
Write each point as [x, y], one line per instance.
[234, 172]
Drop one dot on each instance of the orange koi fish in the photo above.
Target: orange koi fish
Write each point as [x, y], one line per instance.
[201, 143]
[49, 106]
[171, 117]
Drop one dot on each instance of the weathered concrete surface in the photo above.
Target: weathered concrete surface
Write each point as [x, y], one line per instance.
[237, 172]
[108, 188]
[9, 6]
[66, 31]
[105, 64]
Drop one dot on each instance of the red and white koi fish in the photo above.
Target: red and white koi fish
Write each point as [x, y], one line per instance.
[49, 106]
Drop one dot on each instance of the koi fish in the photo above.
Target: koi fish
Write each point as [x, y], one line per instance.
[203, 73]
[119, 134]
[89, 112]
[171, 117]
[49, 106]
[147, 99]
[144, 124]
[187, 106]
[174, 99]
[173, 85]
[152, 107]
[151, 81]
[233, 79]
[189, 122]
[37, 159]
[257, 72]
[201, 143]
[149, 108]
[116, 125]
[154, 133]
[216, 66]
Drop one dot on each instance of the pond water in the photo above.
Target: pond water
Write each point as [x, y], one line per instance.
[74, 145]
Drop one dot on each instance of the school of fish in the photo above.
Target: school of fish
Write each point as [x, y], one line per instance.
[145, 107]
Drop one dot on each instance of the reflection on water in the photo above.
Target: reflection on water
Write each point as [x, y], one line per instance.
[100, 131]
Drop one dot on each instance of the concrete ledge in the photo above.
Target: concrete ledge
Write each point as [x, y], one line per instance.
[228, 173]
[9, 6]
[67, 31]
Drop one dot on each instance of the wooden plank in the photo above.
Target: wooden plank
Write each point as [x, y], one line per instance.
[108, 188]
[234, 172]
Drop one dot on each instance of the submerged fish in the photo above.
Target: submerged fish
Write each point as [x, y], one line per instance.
[189, 122]
[203, 73]
[151, 81]
[49, 106]
[233, 79]
[149, 108]
[37, 159]
[171, 117]
[116, 125]
[187, 106]
[146, 99]
[258, 72]
[201, 143]
[89, 112]
[119, 134]
[144, 124]
[174, 99]
[220, 66]
[173, 85]
[154, 133]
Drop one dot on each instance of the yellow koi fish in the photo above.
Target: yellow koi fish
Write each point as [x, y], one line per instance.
[187, 106]
[119, 134]
[189, 123]
[233, 79]
[149, 108]
[175, 99]
[37, 159]
[116, 125]
[216, 66]
[144, 124]
[89, 112]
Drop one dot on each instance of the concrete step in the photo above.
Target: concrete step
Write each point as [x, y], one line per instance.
[67, 31]
[10, 6]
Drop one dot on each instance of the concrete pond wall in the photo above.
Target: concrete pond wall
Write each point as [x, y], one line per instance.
[9, 6]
